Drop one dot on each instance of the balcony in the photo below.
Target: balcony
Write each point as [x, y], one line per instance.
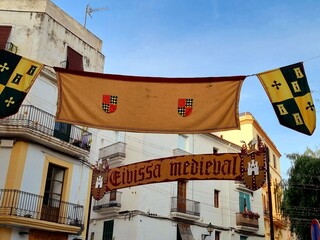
[109, 205]
[18, 208]
[33, 124]
[185, 209]
[246, 222]
[114, 153]
[180, 152]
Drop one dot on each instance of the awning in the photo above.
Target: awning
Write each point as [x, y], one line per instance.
[185, 231]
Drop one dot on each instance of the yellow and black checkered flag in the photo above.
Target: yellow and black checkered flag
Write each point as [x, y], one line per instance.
[289, 93]
[17, 75]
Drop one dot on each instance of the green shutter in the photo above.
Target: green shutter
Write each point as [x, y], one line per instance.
[108, 230]
[244, 198]
[241, 201]
[247, 196]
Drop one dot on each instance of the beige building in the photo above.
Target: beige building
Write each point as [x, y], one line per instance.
[44, 165]
[250, 129]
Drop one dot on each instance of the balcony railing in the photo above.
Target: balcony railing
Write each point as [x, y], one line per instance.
[186, 206]
[37, 120]
[28, 205]
[247, 222]
[110, 203]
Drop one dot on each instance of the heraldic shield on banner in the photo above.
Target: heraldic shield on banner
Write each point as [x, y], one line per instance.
[253, 165]
[185, 106]
[99, 181]
[109, 103]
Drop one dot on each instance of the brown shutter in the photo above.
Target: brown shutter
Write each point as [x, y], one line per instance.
[74, 60]
[4, 35]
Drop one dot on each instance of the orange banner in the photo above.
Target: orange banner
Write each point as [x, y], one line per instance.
[148, 104]
[248, 168]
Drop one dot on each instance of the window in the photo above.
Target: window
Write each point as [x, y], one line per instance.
[113, 198]
[62, 131]
[274, 161]
[54, 183]
[108, 230]
[4, 35]
[244, 202]
[74, 60]
[52, 193]
[92, 236]
[216, 198]
[217, 235]
[243, 238]
[120, 136]
[182, 142]
[214, 150]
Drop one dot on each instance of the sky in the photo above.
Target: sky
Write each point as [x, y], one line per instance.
[196, 38]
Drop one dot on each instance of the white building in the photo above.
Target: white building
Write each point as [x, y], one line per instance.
[44, 170]
[177, 211]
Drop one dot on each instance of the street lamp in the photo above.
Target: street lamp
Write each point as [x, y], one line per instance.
[210, 229]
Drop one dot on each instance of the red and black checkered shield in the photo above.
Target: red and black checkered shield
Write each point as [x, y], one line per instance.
[185, 106]
[109, 103]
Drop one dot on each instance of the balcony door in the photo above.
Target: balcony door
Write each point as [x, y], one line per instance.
[62, 131]
[182, 196]
[53, 193]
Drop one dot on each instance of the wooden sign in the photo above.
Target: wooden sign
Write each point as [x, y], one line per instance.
[246, 167]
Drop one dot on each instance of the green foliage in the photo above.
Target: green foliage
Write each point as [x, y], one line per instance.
[301, 202]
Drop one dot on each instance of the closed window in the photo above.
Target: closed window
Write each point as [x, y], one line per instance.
[182, 194]
[274, 161]
[216, 198]
[74, 60]
[217, 235]
[4, 35]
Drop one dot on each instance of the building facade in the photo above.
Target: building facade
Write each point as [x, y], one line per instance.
[249, 130]
[45, 169]
[178, 210]
[45, 172]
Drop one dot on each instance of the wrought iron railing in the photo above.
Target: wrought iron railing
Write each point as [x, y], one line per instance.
[110, 199]
[114, 150]
[28, 205]
[38, 120]
[186, 206]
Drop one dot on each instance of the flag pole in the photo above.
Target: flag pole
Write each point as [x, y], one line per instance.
[270, 197]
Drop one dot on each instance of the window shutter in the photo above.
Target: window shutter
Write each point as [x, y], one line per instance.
[241, 201]
[4, 35]
[108, 230]
[247, 196]
[74, 60]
